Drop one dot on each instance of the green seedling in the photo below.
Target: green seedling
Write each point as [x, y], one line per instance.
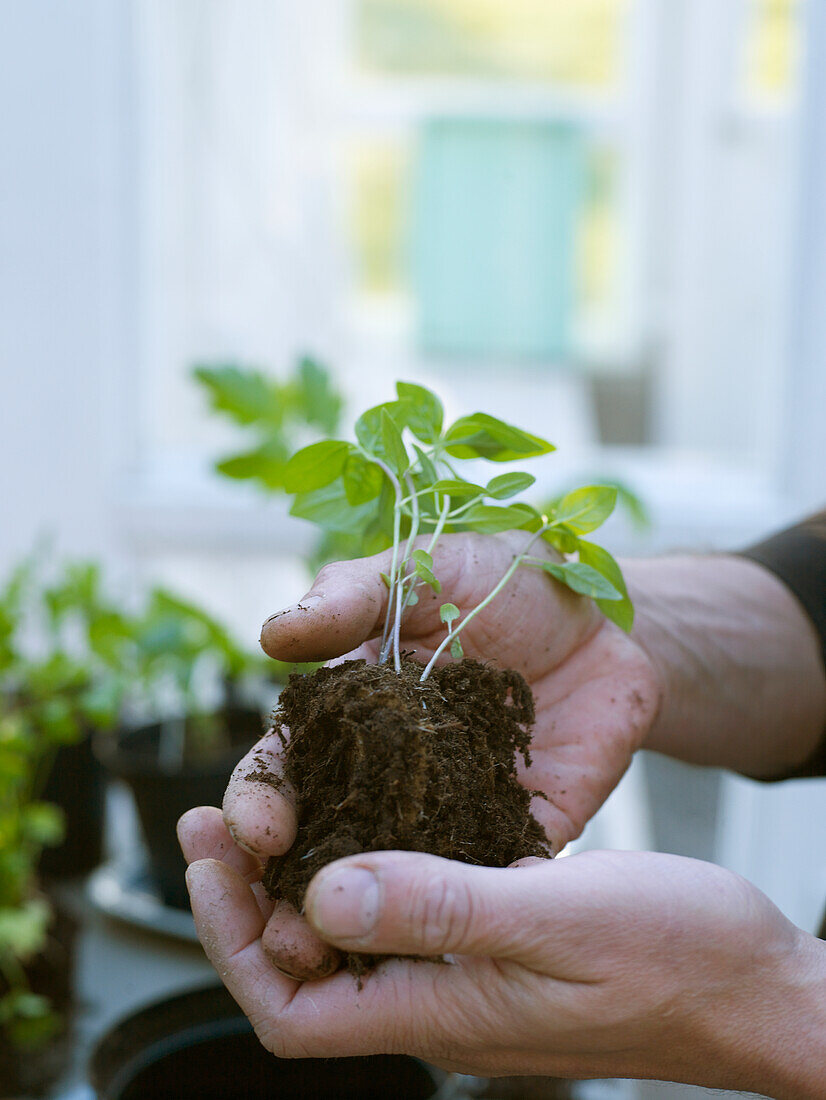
[400, 482]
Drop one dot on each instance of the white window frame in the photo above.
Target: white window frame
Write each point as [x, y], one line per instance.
[169, 502]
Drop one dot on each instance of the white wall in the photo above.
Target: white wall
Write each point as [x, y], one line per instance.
[806, 400]
[60, 95]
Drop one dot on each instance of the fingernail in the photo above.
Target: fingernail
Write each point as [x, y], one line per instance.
[304, 604]
[345, 903]
[199, 875]
[241, 843]
[192, 875]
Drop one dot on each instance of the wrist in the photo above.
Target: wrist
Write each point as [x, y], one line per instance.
[770, 1038]
[737, 661]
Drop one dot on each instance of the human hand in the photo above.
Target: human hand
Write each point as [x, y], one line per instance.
[595, 693]
[595, 689]
[605, 964]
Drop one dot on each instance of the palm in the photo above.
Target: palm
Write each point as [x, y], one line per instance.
[594, 687]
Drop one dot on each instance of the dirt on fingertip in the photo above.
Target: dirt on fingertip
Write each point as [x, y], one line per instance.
[383, 761]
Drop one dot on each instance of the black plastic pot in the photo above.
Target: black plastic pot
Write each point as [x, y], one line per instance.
[76, 784]
[162, 796]
[199, 1045]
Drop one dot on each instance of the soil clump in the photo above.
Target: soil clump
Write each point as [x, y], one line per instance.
[381, 761]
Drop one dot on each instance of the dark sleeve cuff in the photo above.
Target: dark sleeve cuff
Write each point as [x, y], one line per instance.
[797, 557]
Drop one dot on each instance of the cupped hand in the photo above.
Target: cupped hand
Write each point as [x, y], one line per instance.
[596, 691]
[605, 964]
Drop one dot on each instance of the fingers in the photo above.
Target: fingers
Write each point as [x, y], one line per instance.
[343, 608]
[555, 821]
[230, 925]
[412, 904]
[291, 945]
[288, 941]
[347, 603]
[202, 834]
[259, 805]
[526, 861]
[316, 1019]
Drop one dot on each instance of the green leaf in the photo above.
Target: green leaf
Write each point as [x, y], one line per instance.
[508, 485]
[57, 717]
[376, 534]
[448, 613]
[362, 479]
[425, 414]
[101, 703]
[456, 650]
[421, 557]
[488, 519]
[330, 508]
[621, 611]
[581, 578]
[412, 598]
[265, 464]
[315, 466]
[248, 396]
[428, 470]
[368, 426]
[374, 539]
[423, 567]
[23, 929]
[532, 519]
[317, 399]
[27, 1021]
[585, 509]
[429, 577]
[562, 538]
[393, 445]
[455, 488]
[24, 1004]
[109, 634]
[386, 580]
[483, 436]
[42, 823]
[634, 505]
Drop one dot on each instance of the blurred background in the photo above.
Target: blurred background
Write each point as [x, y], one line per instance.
[600, 219]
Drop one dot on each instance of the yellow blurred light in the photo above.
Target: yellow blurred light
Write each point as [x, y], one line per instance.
[772, 47]
[568, 42]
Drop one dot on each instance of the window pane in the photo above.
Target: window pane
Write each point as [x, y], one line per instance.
[379, 174]
[382, 229]
[599, 235]
[772, 48]
[567, 42]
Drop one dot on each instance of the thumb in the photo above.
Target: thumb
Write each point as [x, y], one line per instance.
[344, 607]
[408, 903]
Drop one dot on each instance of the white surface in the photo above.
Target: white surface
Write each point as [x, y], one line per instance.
[773, 836]
[114, 891]
[623, 823]
[805, 400]
[58, 129]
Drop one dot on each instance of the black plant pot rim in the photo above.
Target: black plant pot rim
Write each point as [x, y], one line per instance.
[123, 755]
[153, 1037]
[173, 1024]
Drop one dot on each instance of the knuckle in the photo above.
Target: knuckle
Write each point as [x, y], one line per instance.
[269, 1037]
[445, 915]
[325, 574]
[283, 1040]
